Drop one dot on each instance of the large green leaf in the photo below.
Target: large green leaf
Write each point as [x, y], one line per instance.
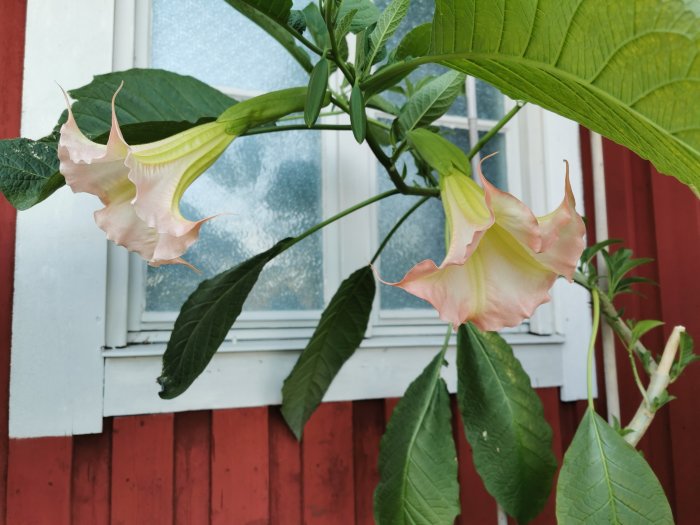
[337, 336]
[205, 319]
[504, 423]
[153, 104]
[627, 69]
[605, 481]
[430, 102]
[148, 95]
[417, 457]
[272, 16]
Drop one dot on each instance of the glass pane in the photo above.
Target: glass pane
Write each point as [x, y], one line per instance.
[269, 185]
[260, 215]
[210, 40]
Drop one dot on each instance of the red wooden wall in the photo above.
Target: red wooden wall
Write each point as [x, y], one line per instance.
[243, 466]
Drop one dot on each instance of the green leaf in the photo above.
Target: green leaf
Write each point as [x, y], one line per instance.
[344, 23]
[28, 171]
[626, 69]
[417, 456]
[605, 481]
[337, 336]
[318, 83]
[618, 70]
[441, 154]
[387, 24]
[272, 16]
[205, 319]
[317, 26]
[366, 14]
[358, 117]
[504, 423]
[430, 102]
[640, 328]
[148, 95]
[415, 43]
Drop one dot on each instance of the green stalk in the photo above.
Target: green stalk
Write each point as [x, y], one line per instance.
[340, 215]
[291, 127]
[591, 346]
[495, 129]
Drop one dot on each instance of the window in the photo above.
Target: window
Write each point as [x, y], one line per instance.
[105, 326]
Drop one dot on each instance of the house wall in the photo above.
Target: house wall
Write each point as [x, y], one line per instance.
[243, 466]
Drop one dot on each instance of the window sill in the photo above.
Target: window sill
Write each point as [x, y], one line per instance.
[251, 373]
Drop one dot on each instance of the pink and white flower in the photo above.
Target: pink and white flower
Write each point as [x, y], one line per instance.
[141, 186]
[501, 260]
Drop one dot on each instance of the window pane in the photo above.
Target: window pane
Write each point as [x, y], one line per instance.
[210, 40]
[269, 184]
[489, 101]
[271, 187]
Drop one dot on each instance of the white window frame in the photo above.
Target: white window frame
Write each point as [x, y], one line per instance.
[71, 365]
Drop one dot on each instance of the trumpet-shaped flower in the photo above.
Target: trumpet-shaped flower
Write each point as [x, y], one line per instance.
[141, 186]
[501, 260]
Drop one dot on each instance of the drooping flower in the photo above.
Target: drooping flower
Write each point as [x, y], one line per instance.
[141, 185]
[501, 260]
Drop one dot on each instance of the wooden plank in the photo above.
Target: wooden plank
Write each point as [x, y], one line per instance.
[677, 216]
[39, 481]
[327, 465]
[478, 507]
[240, 466]
[90, 494]
[285, 472]
[12, 24]
[192, 468]
[142, 470]
[368, 427]
[550, 402]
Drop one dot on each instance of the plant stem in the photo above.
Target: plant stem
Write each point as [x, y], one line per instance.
[397, 226]
[340, 215]
[495, 129]
[591, 346]
[334, 48]
[275, 129]
[310, 45]
[394, 175]
[657, 385]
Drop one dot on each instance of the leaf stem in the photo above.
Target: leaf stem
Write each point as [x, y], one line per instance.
[313, 47]
[591, 346]
[618, 325]
[340, 215]
[495, 129]
[397, 226]
[393, 173]
[290, 127]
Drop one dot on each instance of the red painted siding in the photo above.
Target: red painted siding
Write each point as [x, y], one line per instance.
[244, 466]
